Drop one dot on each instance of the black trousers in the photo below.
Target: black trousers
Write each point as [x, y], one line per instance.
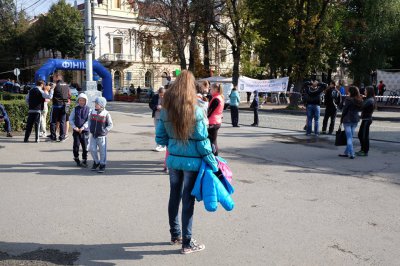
[234, 115]
[363, 135]
[212, 135]
[33, 119]
[255, 116]
[80, 140]
[57, 115]
[329, 113]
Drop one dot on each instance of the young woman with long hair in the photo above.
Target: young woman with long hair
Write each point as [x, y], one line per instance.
[183, 129]
[367, 109]
[214, 114]
[350, 118]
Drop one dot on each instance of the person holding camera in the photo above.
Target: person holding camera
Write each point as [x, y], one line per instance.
[60, 107]
[313, 104]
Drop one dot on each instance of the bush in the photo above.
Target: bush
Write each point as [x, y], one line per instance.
[17, 110]
[11, 96]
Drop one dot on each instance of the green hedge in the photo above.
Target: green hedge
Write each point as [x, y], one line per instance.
[17, 110]
[6, 96]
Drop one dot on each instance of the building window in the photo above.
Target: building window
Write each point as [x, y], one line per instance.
[117, 3]
[223, 56]
[117, 45]
[148, 79]
[117, 79]
[129, 76]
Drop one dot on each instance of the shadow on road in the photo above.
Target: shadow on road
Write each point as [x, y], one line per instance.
[61, 254]
[69, 168]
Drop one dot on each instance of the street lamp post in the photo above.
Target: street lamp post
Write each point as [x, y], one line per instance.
[91, 86]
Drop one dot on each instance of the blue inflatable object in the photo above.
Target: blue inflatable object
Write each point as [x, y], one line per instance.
[69, 64]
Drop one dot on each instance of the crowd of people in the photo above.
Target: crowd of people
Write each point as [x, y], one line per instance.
[351, 105]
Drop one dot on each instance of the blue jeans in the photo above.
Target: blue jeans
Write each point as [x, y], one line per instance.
[98, 145]
[181, 185]
[313, 112]
[7, 124]
[349, 128]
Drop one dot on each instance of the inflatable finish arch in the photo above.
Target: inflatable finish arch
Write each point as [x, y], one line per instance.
[68, 64]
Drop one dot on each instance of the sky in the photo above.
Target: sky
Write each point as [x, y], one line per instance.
[37, 7]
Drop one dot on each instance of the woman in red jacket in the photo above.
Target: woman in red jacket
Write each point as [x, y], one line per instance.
[214, 114]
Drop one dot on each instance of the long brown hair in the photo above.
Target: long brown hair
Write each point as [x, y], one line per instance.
[179, 101]
[219, 88]
[355, 94]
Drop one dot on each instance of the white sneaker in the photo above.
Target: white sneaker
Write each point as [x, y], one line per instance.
[160, 148]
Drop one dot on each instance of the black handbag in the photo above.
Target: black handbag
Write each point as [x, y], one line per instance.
[341, 139]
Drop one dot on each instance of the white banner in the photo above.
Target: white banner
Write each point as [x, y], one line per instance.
[390, 79]
[265, 85]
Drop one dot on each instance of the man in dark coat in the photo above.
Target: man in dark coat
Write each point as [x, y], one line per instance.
[60, 107]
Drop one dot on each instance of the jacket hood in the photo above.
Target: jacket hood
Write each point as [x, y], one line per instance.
[83, 96]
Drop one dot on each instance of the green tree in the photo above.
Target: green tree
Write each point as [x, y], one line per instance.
[62, 30]
[7, 32]
[231, 20]
[369, 34]
[299, 36]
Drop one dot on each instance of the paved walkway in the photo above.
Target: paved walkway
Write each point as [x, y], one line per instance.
[297, 203]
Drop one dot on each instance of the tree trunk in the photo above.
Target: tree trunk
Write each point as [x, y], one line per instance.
[181, 53]
[206, 50]
[192, 49]
[236, 62]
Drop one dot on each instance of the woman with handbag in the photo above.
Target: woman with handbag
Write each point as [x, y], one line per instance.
[183, 128]
[350, 118]
[368, 107]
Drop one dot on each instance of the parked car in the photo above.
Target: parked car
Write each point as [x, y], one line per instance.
[25, 88]
[124, 91]
[2, 82]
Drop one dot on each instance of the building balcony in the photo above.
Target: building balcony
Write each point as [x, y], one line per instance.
[112, 60]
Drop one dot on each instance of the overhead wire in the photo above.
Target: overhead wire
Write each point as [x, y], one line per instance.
[35, 3]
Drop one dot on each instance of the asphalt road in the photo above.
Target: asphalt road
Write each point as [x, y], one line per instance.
[297, 202]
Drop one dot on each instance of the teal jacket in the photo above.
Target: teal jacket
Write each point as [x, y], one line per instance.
[186, 156]
[234, 98]
[211, 189]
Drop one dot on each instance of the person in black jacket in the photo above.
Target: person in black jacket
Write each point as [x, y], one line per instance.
[255, 105]
[313, 102]
[60, 108]
[367, 109]
[332, 100]
[35, 100]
